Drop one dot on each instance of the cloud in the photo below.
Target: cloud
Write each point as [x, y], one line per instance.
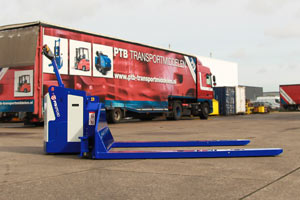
[267, 7]
[238, 54]
[288, 67]
[262, 71]
[291, 30]
[297, 15]
[292, 66]
[61, 12]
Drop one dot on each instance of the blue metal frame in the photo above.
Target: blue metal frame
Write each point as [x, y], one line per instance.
[211, 153]
[104, 142]
[200, 143]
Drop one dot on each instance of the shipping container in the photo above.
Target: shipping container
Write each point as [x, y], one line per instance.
[240, 100]
[226, 98]
[252, 92]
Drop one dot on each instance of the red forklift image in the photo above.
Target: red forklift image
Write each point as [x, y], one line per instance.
[24, 84]
[82, 61]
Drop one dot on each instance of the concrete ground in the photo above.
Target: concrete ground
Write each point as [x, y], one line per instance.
[26, 173]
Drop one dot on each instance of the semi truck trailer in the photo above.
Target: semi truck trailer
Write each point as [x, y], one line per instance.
[140, 80]
[290, 97]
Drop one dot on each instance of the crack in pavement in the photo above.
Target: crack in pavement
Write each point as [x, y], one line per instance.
[57, 175]
[267, 185]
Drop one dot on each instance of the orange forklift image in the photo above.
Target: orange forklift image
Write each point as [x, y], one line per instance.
[82, 61]
[24, 84]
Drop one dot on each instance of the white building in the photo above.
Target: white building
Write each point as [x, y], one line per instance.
[226, 72]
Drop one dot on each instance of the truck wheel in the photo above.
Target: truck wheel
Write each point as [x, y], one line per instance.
[204, 111]
[177, 110]
[114, 116]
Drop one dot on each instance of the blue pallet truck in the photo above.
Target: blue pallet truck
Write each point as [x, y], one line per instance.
[76, 123]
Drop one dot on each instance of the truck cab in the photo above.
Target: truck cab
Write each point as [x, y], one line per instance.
[204, 89]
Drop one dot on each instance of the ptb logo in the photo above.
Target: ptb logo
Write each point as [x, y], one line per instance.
[53, 97]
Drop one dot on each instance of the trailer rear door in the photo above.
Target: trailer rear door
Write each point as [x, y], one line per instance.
[18, 46]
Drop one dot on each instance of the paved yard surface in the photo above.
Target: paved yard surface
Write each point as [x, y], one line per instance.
[26, 173]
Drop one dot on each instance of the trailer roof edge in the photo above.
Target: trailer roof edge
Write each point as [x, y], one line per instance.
[19, 25]
[46, 24]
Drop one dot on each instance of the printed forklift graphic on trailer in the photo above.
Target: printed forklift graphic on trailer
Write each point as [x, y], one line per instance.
[24, 84]
[102, 63]
[82, 61]
[57, 54]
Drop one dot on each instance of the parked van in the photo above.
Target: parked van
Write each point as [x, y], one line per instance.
[274, 101]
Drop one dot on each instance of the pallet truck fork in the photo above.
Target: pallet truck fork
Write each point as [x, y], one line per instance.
[76, 123]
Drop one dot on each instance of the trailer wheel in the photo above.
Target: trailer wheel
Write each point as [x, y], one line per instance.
[204, 111]
[114, 116]
[177, 110]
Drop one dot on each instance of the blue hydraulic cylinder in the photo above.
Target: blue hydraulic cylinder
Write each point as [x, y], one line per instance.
[49, 54]
[59, 80]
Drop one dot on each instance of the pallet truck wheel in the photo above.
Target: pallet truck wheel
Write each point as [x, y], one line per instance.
[204, 111]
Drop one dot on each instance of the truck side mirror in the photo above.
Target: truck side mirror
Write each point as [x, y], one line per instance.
[214, 80]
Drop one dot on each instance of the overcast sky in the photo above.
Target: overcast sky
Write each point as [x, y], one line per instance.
[262, 36]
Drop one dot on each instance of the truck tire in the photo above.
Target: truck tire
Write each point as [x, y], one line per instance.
[176, 111]
[114, 116]
[204, 110]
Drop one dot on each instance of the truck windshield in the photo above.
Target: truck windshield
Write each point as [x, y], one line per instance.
[208, 79]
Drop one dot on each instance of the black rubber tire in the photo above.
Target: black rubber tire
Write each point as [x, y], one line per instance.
[177, 111]
[114, 116]
[204, 111]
